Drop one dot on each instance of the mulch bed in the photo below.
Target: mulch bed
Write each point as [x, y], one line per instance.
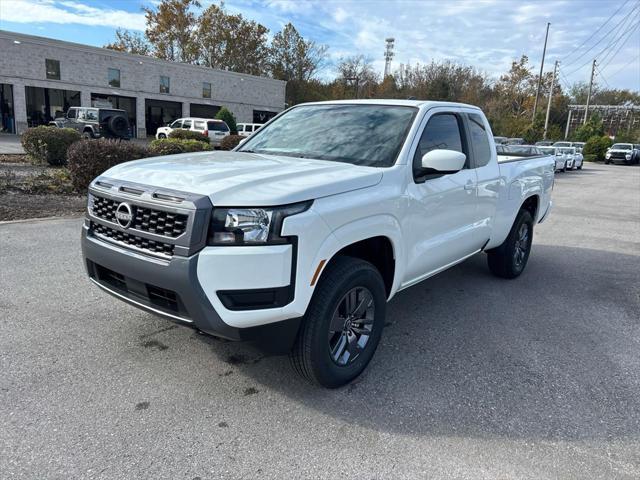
[20, 206]
[14, 158]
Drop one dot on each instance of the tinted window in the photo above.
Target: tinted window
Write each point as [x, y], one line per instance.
[480, 140]
[441, 133]
[164, 84]
[53, 69]
[186, 124]
[369, 135]
[72, 113]
[206, 90]
[176, 124]
[113, 77]
[218, 126]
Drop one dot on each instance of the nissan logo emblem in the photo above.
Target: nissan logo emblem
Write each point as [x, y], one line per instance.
[124, 215]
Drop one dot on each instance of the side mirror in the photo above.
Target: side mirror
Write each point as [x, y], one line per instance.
[443, 161]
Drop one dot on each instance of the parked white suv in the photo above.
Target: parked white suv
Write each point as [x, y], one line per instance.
[247, 129]
[299, 237]
[213, 128]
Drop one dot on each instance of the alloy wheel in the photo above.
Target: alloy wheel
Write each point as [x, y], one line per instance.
[521, 246]
[351, 326]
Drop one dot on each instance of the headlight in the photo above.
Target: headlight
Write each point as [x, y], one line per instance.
[607, 156]
[628, 156]
[251, 226]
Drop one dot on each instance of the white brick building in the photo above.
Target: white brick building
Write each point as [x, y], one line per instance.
[41, 77]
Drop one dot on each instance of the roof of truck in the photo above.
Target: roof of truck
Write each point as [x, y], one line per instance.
[396, 102]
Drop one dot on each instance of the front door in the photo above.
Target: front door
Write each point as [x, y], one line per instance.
[443, 209]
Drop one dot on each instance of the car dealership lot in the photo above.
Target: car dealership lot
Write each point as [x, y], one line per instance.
[475, 377]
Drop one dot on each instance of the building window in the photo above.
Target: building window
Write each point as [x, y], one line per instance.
[113, 77]
[53, 69]
[206, 90]
[164, 84]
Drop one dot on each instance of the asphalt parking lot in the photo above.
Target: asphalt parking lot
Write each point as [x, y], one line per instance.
[475, 377]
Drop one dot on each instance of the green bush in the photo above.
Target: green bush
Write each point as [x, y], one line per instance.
[229, 119]
[188, 135]
[590, 158]
[89, 158]
[597, 145]
[172, 146]
[46, 144]
[230, 142]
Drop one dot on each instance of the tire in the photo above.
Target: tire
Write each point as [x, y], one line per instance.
[162, 135]
[118, 125]
[87, 134]
[325, 330]
[607, 162]
[564, 169]
[509, 259]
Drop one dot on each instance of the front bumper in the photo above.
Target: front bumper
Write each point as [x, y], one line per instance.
[171, 289]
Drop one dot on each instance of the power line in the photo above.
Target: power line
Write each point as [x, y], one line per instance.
[599, 73]
[616, 28]
[611, 43]
[629, 35]
[595, 33]
[624, 67]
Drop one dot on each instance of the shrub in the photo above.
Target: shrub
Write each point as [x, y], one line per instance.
[597, 146]
[230, 142]
[49, 144]
[172, 146]
[89, 158]
[590, 158]
[188, 135]
[229, 119]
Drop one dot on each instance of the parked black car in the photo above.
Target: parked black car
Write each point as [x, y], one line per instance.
[96, 122]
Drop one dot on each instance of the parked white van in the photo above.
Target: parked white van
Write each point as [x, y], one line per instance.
[247, 129]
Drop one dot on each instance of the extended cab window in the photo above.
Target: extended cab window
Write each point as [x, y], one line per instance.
[442, 132]
[479, 140]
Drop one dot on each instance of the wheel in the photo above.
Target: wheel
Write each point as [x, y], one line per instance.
[343, 324]
[509, 259]
[607, 162]
[564, 169]
[162, 135]
[87, 134]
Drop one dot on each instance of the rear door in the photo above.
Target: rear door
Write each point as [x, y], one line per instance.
[441, 222]
[484, 161]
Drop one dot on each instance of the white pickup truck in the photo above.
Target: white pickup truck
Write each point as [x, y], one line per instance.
[298, 238]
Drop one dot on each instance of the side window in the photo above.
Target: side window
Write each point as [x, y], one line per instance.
[92, 115]
[176, 124]
[199, 126]
[81, 114]
[249, 128]
[186, 124]
[442, 132]
[71, 114]
[479, 140]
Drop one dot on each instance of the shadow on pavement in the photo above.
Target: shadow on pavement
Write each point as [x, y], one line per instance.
[551, 355]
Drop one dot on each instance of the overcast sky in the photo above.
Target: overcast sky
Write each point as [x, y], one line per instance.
[487, 34]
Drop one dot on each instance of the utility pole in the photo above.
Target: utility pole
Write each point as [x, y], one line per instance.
[566, 131]
[546, 120]
[544, 52]
[586, 110]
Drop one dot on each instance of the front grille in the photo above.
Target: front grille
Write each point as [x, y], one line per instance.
[151, 246]
[620, 155]
[149, 220]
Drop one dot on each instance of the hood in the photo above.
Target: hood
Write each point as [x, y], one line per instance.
[620, 150]
[247, 179]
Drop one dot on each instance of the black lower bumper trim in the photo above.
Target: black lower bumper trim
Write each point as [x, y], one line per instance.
[175, 292]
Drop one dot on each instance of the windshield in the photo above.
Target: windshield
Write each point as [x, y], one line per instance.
[370, 135]
[567, 150]
[562, 144]
[548, 150]
[622, 146]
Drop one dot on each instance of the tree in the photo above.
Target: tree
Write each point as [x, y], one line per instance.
[357, 75]
[129, 42]
[294, 58]
[171, 30]
[229, 119]
[593, 128]
[230, 42]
